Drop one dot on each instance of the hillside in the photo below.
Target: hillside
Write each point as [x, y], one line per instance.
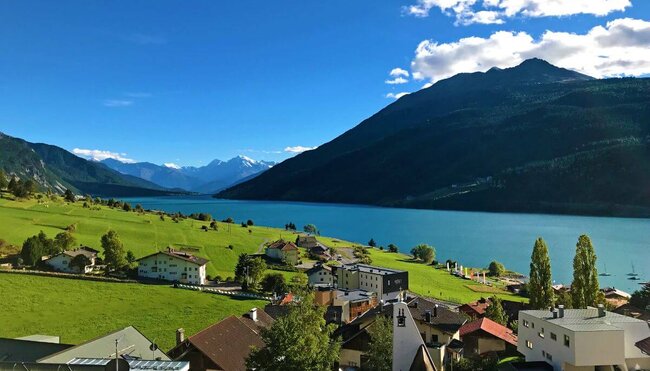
[211, 178]
[56, 169]
[533, 138]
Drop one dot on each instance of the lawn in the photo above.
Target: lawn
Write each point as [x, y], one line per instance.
[437, 283]
[80, 310]
[141, 233]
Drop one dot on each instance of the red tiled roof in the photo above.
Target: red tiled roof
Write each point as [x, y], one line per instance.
[490, 327]
[477, 307]
[283, 245]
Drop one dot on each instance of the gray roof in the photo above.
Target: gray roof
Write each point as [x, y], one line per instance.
[131, 343]
[17, 350]
[584, 319]
[370, 269]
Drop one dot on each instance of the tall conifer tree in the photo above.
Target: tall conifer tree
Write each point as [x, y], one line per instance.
[540, 284]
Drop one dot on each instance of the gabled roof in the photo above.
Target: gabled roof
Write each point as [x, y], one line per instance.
[446, 319]
[228, 342]
[488, 326]
[422, 361]
[283, 245]
[131, 343]
[477, 307]
[179, 255]
[318, 267]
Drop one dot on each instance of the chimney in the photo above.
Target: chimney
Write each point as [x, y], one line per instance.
[560, 309]
[253, 314]
[415, 304]
[554, 313]
[180, 336]
[427, 316]
[435, 311]
[601, 310]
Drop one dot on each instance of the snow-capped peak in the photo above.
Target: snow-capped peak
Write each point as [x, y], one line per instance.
[171, 165]
[247, 159]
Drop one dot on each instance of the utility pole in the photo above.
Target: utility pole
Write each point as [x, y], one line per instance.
[117, 367]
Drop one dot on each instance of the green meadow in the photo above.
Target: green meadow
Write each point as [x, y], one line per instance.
[79, 310]
[142, 233]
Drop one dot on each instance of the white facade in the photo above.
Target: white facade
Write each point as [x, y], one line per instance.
[583, 339]
[407, 341]
[171, 268]
[321, 276]
[387, 283]
[61, 262]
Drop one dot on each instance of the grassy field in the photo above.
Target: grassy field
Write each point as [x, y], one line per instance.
[80, 310]
[141, 233]
[437, 283]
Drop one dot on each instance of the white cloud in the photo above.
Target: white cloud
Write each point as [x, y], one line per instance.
[396, 81]
[495, 11]
[298, 149]
[171, 165]
[397, 72]
[620, 48]
[117, 103]
[396, 95]
[99, 155]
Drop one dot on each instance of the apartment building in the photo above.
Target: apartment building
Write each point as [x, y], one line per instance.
[387, 283]
[175, 266]
[583, 339]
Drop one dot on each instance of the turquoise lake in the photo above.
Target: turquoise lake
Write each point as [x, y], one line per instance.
[472, 238]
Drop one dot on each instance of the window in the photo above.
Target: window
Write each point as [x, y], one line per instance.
[567, 341]
[532, 325]
[529, 344]
[553, 337]
[549, 356]
[541, 333]
[434, 338]
[525, 323]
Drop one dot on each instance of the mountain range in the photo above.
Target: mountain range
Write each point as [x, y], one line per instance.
[532, 138]
[211, 178]
[56, 169]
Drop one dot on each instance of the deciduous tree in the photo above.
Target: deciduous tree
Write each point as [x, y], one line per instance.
[380, 349]
[301, 340]
[249, 271]
[275, 283]
[114, 255]
[64, 241]
[496, 269]
[424, 252]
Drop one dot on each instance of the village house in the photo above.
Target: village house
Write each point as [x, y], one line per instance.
[81, 260]
[615, 297]
[286, 252]
[583, 339]
[477, 309]
[409, 349]
[484, 336]
[353, 303]
[439, 327]
[307, 242]
[224, 345]
[320, 275]
[172, 265]
[389, 284]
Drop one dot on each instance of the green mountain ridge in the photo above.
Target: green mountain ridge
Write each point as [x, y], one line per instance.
[54, 168]
[532, 138]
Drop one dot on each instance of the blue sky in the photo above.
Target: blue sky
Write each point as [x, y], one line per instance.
[190, 81]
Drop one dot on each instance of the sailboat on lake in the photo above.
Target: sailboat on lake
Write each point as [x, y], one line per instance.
[605, 274]
[633, 276]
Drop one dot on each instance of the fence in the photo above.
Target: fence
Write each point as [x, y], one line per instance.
[67, 275]
[217, 291]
